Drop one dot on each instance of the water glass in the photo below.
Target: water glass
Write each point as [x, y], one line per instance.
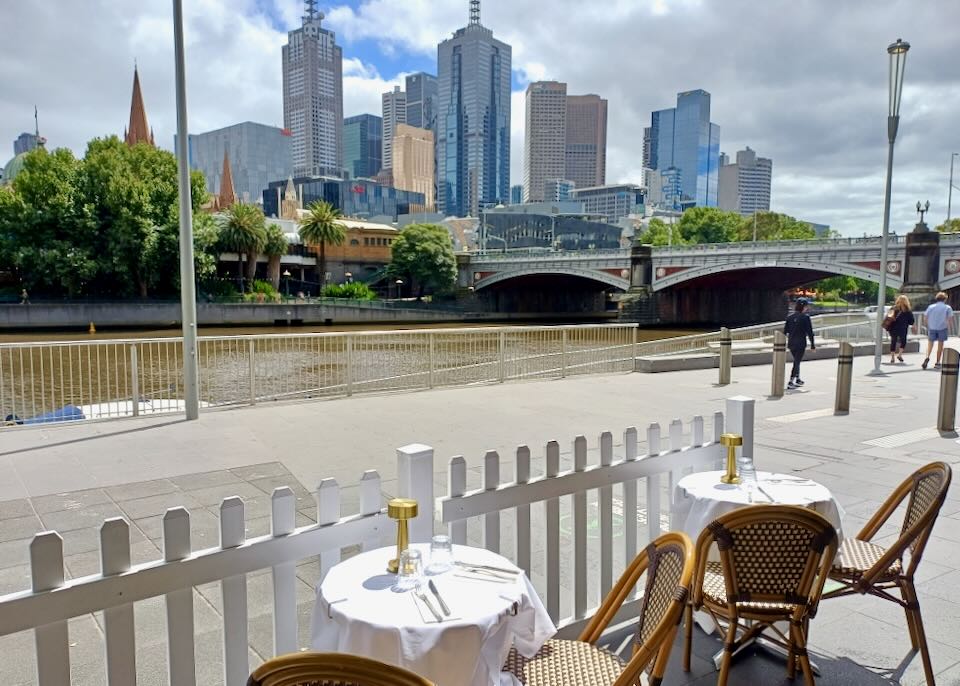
[409, 569]
[748, 475]
[441, 554]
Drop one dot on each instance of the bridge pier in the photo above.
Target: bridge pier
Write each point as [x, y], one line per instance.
[922, 263]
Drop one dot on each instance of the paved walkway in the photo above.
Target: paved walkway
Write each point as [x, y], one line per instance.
[138, 467]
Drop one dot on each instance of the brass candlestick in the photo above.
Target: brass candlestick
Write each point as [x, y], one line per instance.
[731, 441]
[401, 509]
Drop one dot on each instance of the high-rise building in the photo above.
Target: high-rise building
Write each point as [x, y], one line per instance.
[313, 95]
[545, 136]
[586, 145]
[516, 194]
[258, 155]
[647, 144]
[558, 190]
[357, 198]
[363, 145]
[685, 149]
[137, 130]
[615, 201]
[413, 163]
[421, 89]
[745, 185]
[473, 119]
[25, 142]
[394, 114]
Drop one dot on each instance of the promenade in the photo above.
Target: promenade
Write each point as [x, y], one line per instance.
[71, 477]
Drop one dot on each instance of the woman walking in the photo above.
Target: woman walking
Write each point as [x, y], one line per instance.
[798, 328]
[903, 320]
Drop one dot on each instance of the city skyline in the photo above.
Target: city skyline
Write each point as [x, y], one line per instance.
[820, 113]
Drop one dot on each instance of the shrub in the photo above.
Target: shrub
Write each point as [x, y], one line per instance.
[354, 291]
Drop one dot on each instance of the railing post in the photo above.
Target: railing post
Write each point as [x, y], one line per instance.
[841, 404]
[503, 337]
[633, 348]
[779, 360]
[563, 352]
[947, 408]
[135, 379]
[349, 364]
[415, 480]
[253, 371]
[430, 337]
[726, 356]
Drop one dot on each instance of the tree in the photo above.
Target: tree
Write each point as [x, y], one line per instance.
[243, 231]
[658, 232]
[320, 227]
[773, 226]
[423, 253]
[274, 247]
[708, 225]
[952, 226]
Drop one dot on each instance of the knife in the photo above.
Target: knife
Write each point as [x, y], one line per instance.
[426, 601]
[436, 592]
[502, 570]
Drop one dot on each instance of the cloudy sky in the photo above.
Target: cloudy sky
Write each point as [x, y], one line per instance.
[801, 81]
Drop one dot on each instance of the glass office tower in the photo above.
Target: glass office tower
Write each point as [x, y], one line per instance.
[685, 149]
[362, 139]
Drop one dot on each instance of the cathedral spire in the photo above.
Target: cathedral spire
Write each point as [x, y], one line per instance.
[227, 195]
[138, 131]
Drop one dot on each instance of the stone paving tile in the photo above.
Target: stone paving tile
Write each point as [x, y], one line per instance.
[140, 489]
[11, 509]
[69, 501]
[267, 484]
[260, 471]
[14, 578]
[19, 527]
[91, 516]
[139, 508]
[214, 495]
[193, 482]
[204, 529]
[85, 564]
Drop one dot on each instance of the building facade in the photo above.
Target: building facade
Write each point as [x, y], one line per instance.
[313, 96]
[647, 145]
[363, 145]
[394, 113]
[357, 198]
[545, 135]
[421, 89]
[558, 190]
[745, 184]
[516, 194]
[503, 229]
[258, 155]
[473, 119]
[614, 201]
[413, 163]
[685, 149]
[586, 143]
[25, 142]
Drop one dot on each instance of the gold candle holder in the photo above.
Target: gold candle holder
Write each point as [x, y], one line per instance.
[403, 510]
[731, 441]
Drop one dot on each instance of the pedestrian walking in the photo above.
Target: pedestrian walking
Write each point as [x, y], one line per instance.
[798, 328]
[902, 321]
[939, 315]
[25, 297]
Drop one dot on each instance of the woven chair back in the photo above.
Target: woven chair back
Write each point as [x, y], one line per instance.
[664, 588]
[331, 669]
[927, 493]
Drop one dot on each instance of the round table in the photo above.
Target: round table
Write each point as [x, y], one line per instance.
[359, 610]
[700, 498]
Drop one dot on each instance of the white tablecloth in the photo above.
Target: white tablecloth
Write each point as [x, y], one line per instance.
[700, 498]
[359, 611]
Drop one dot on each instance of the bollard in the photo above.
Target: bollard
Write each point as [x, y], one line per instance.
[844, 379]
[947, 410]
[779, 362]
[726, 356]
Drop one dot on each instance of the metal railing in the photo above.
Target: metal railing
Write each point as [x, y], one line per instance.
[62, 381]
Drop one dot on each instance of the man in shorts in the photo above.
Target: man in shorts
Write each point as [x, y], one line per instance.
[939, 315]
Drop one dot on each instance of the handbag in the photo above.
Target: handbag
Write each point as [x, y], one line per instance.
[888, 321]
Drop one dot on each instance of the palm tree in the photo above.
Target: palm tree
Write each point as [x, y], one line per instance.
[274, 247]
[320, 226]
[242, 231]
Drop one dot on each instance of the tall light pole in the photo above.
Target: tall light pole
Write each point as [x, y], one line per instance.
[950, 192]
[898, 59]
[188, 295]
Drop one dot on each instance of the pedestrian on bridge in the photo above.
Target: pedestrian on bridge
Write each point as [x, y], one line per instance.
[797, 329]
[903, 319]
[939, 315]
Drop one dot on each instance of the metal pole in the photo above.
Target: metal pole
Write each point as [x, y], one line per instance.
[135, 379]
[188, 296]
[950, 191]
[726, 356]
[779, 361]
[947, 409]
[892, 123]
[841, 404]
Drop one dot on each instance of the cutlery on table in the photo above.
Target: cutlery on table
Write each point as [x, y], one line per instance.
[436, 592]
[473, 576]
[502, 570]
[426, 601]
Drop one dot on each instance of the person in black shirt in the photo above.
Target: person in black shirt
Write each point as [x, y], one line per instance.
[903, 320]
[798, 328]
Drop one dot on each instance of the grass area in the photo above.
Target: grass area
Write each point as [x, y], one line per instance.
[830, 303]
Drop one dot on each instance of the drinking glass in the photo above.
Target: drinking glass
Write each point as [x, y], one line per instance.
[409, 569]
[441, 554]
[748, 476]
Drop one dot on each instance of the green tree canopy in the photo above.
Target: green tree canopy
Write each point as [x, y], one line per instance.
[773, 226]
[709, 225]
[243, 231]
[952, 226]
[321, 226]
[423, 253]
[658, 232]
[274, 247]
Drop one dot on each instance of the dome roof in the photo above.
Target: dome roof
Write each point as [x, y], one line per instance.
[14, 167]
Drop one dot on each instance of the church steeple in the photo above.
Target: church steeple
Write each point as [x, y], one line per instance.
[228, 195]
[137, 131]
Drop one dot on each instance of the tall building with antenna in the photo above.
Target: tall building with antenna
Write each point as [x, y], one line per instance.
[473, 119]
[313, 96]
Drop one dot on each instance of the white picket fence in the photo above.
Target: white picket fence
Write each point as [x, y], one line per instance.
[52, 601]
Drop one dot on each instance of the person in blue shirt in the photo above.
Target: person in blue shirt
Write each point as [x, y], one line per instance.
[798, 328]
[939, 315]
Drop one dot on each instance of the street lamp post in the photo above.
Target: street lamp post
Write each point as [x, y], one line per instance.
[399, 283]
[348, 276]
[898, 59]
[950, 192]
[286, 274]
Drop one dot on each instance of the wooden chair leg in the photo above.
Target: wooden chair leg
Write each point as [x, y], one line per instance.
[728, 645]
[913, 611]
[661, 660]
[687, 635]
[911, 619]
[798, 637]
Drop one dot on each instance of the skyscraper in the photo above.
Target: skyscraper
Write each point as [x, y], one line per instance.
[647, 144]
[421, 91]
[516, 194]
[685, 149]
[25, 142]
[394, 114]
[473, 118]
[545, 135]
[744, 186]
[363, 145]
[313, 95]
[413, 162]
[586, 144]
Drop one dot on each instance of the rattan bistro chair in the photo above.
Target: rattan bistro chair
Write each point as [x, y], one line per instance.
[865, 567]
[331, 669]
[774, 561]
[668, 562]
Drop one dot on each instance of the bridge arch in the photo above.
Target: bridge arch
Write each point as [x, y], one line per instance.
[590, 274]
[843, 269]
